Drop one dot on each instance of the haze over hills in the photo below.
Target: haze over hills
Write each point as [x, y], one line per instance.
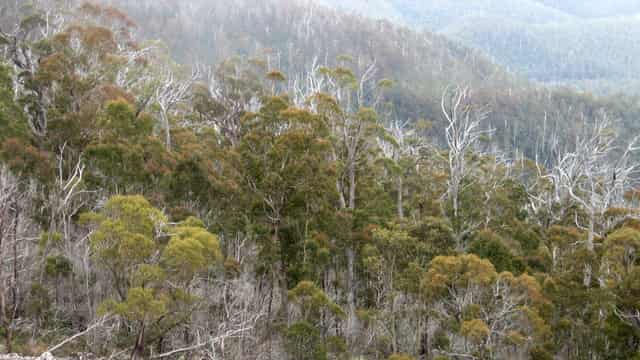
[590, 44]
[436, 15]
[595, 8]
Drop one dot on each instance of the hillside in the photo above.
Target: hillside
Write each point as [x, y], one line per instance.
[588, 44]
[421, 63]
[275, 180]
[292, 36]
[600, 49]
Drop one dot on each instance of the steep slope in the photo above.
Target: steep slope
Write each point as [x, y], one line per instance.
[295, 35]
[292, 36]
[590, 44]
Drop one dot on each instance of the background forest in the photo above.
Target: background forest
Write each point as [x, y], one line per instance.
[587, 44]
[281, 180]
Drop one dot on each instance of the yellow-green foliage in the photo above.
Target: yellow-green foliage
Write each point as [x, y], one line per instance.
[457, 272]
[401, 357]
[190, 250]
[313, 300]
[475, 330]
[125, 233]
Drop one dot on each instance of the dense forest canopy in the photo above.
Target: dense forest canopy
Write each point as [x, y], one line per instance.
[283, 180]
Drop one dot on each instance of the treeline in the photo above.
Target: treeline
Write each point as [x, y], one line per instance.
[150, 211]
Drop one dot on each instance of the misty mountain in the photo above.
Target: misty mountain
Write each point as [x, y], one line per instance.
[436, 15]
[591, 44]
[594, 8]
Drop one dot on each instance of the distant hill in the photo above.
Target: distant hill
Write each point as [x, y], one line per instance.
[597, 49]
[438, 14]
[554, 41]
[595, 8]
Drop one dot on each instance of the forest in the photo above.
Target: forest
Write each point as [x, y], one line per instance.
[280, 180]
[586, 44]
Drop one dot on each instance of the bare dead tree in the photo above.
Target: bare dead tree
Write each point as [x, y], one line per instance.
[303, 87]
[131, 74]
[170, 92]
[213, 341]
[91, 327]
[595, 175]
[8, 198]
[464, 129]
[230, 97]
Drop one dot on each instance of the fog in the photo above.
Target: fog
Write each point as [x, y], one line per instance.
[585, 43]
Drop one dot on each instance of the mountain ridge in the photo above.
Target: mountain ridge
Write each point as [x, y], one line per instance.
[547, 41]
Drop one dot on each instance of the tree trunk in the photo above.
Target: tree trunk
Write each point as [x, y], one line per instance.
[454, 199]
[351, 255]
[284, 288]
[138, 349]
[269, 320]
[343, 202]
[591, 234]
[8, 322]
[14, 288]
[400, 199]
[351, 297]
[4, 320]
[3, 307]
[167, 131]
[426, 341]
[352, 185]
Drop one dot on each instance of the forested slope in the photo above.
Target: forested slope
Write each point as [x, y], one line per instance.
[587, 44]
[281, 201]
[420, 64]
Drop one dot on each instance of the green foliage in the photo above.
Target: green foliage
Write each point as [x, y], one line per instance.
[436, 233]
[401, 357]
[126, 232]
[457, 272]
[191, 250]
[489, 245]
[58, 266]
[539, 353]
[12, 120]
[303, 342]
[26, 160]
[475, 330]
[39, 303]
[153, 290]
[140, 304]
[118, 121]
[299, 211]
[621, 248]
[50, 238]
[313, 301]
